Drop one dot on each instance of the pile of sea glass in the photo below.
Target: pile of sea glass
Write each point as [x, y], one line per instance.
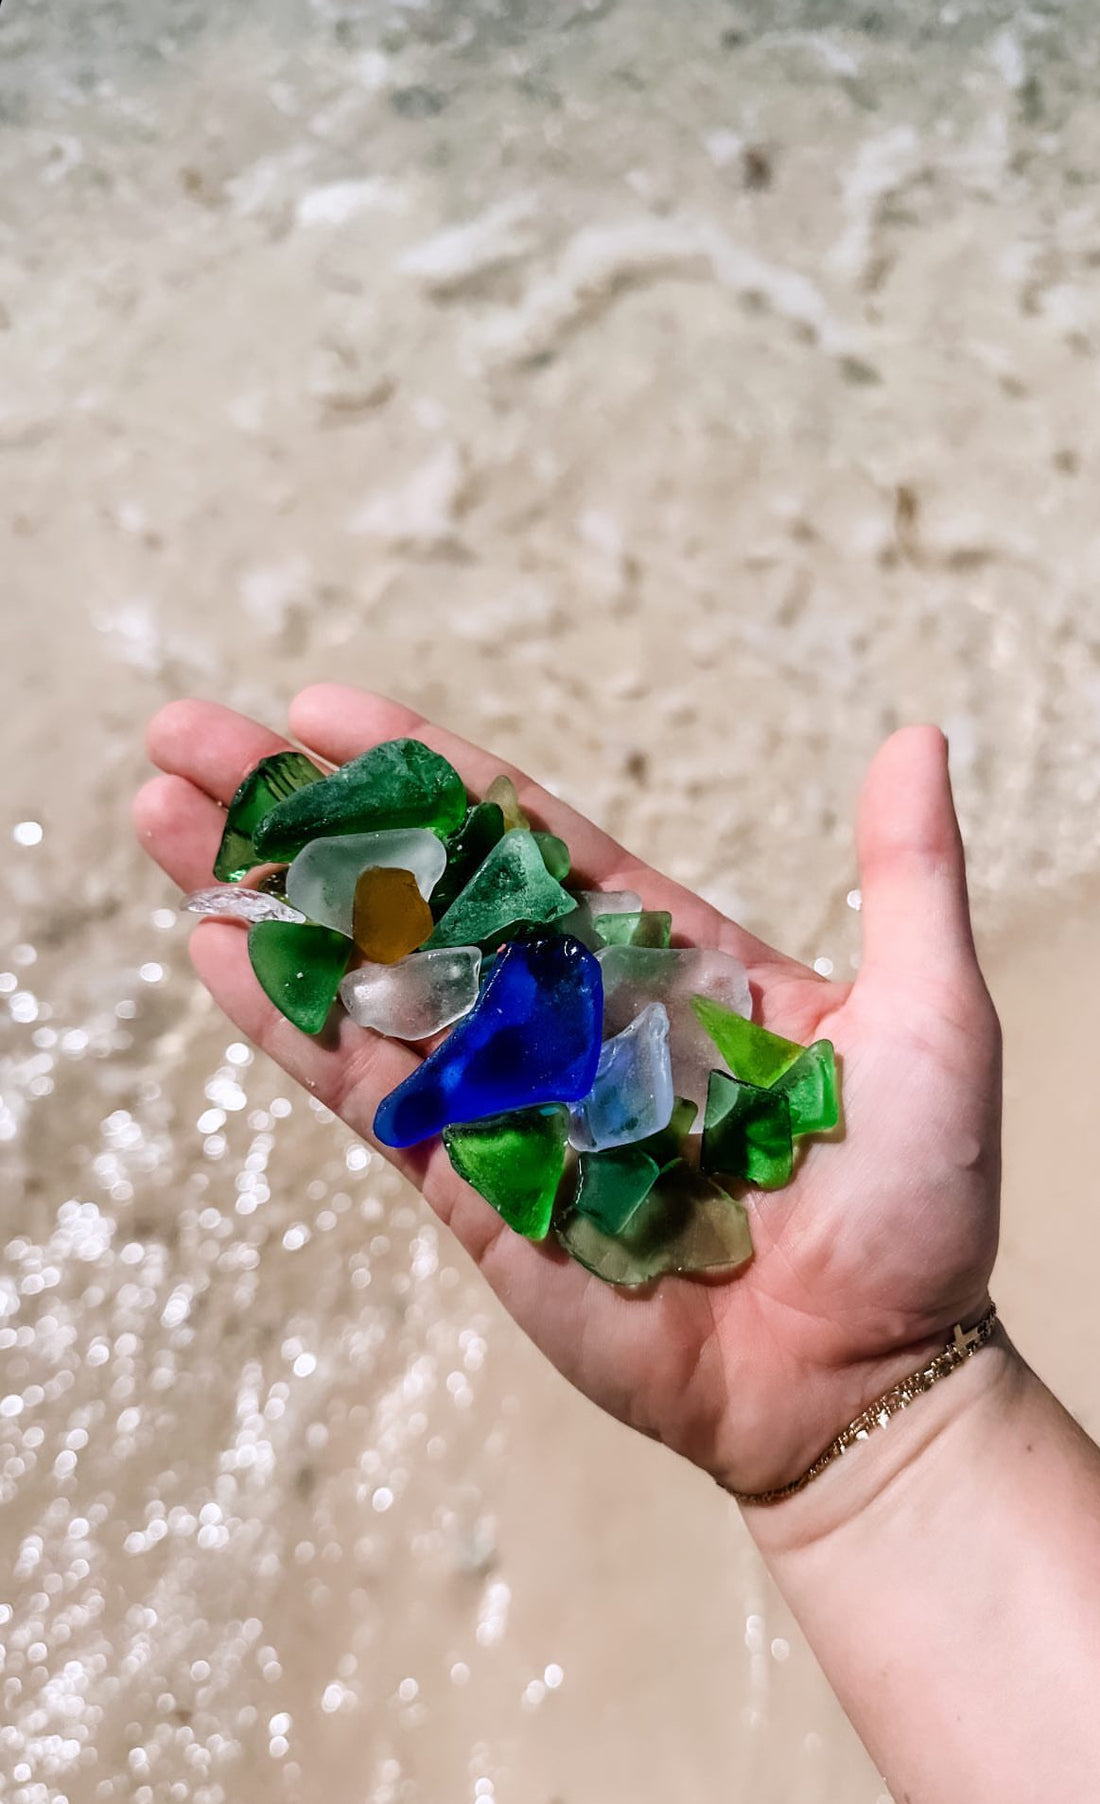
[582, 1045]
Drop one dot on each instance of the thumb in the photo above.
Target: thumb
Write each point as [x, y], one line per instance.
[916, 915]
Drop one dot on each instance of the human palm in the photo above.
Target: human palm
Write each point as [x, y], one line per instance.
[887, 1234]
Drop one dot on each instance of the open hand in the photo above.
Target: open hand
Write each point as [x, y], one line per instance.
[887, 1234]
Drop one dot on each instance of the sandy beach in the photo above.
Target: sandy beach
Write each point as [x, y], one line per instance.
[675, 401]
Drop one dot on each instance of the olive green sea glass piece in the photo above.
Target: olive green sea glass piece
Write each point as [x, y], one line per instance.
[401, 783]
[667, 1147]
[504, 793]
[467, 848]
[511, 888]
[272, 781]
[555, 855]
[613, 1185]
[300, 969]
[810, 1087]
[747, 1132]
[648, 927]
[751, 1052]
[686, 1224]
[516, 1163]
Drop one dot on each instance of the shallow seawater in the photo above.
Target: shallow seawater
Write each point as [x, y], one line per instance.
[674, 399]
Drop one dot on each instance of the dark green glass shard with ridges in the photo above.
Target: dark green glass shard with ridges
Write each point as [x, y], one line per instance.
[299, 969]
[400, 783]
[751, 1052]
[613, 1185]
[811, 1089]
[555, 854]
[747, 1132]
[686, 1224]
[516, 1163]
[467, 849]
[651, 927]
[272, 781]
[512, 888]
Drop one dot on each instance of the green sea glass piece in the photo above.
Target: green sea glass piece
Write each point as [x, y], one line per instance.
[747, 1132]
[467, 848]
[811, 1090]
[300, 969]
[273, 781]
[555, 855]
[686, 1224]
[512, 887]
[647, 927]
[401, 783]
[516, 1163]
[667, 1146]
[613, 1185]
[751, 1052]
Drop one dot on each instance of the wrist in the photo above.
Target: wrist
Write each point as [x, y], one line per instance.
[913, 1454]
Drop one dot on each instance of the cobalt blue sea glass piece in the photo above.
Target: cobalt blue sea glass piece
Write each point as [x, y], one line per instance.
[532, 1037]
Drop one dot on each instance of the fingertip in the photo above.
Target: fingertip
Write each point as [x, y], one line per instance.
[155, 805]
[170, 729]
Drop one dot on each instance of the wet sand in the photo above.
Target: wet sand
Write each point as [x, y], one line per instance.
[674, 405]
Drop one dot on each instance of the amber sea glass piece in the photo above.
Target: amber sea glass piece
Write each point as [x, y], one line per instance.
[299, 968]
[390, 917]
[747, 1132]
[272, 781]
[515, 1162]
[401, 783]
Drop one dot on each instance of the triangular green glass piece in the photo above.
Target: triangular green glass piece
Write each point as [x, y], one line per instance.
[512, 887]
[613, 1185]
[515, 1162]
[751, 1052]
[270, 783]
[555, 855]
[667, 1147]
[686, 1224]
[651, 927]
[747, 1132]
[401, 783]
[810, 1087]
[299, 968]
[467, 848]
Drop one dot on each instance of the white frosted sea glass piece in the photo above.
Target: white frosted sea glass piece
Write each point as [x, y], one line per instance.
[418, 996]
[321, 881]
[633, 1095]
[233, 902]
[635, 976]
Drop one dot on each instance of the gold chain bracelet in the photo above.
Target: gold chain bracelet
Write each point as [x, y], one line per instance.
[963, 1343]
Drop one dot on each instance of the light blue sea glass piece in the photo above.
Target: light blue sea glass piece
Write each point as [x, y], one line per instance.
[531, 1038]
[233, 902]
[632, 1096]
[417, 997]
[321, 881]
[635, 976]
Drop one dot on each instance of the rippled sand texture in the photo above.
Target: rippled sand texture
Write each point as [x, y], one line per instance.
[675, 398]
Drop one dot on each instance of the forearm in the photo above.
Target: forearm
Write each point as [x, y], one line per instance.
[947, 1574]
